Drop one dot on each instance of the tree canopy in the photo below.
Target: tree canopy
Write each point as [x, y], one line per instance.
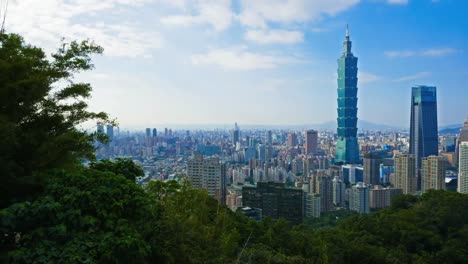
[119, 166]
[41, 106]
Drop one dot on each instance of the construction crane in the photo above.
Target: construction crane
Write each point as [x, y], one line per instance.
[3, 14]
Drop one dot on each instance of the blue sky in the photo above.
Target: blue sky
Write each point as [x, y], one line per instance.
[258, 61]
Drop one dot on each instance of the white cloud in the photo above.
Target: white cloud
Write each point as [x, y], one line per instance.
[422, 53]
[400, 54]
[274, 36]
[366, 77]
[259, 12]
[240, 59]
[398, 2]
[413, 77]
[438, 52]
[216, 13]
[45, 22]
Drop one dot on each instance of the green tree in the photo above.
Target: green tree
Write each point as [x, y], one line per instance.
[125, 167]
[87, 216]
[41, 107]
[162, 189]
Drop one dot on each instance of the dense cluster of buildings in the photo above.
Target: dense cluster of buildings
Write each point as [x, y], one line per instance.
[300, 173]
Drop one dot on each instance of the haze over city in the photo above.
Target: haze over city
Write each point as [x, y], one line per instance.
[257, 62]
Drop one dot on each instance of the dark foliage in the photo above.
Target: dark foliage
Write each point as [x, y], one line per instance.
[40, 109]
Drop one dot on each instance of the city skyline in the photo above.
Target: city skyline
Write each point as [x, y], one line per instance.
[252, 64]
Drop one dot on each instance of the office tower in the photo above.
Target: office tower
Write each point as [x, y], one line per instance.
[338, 192]
[463, 137]
[261, 152]
[208, 174]
[251, 142]
[269, 140]
[312, 205]
[323, 163]
[110, 132]
[382, 197]
[249, 153]
[149, 139]
[100, 127]
[449, 143]
[269, 152]
[433, 173]
[307, 166]
[155, 132]
[325, 189]
[275, 200]
[347, 149]
[464, 131]
[371, 167]
[386, 169]
[283, 137]
[235, 135]
[463, 168]
[292, 139]
[166, 132]
[359, 198]
[352, 173]
[424, 139]
[311, 141]
[405, 173]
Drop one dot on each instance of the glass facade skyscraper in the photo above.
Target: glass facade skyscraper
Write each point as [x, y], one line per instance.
[347, 149]
[423, 128]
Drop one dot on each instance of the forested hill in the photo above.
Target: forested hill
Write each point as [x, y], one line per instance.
[55, 210]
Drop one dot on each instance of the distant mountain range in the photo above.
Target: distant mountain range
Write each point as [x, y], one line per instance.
[450, 129]
[362, 125]
[330, 126]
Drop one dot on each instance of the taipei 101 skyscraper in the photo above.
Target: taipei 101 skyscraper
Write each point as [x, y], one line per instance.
[347, 148]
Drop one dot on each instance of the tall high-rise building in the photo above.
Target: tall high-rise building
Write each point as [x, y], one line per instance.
[235, 135]
[405, 176]
[424, 139]
[359, 199]
[275, 200]
[110, 132]
[463, 168]
[149, 139]
[208, 174]
[269, 139]
[382, 197]
[463, 137]
[312, 205]
[325, 189]
[292, 139]
[100, 127]
[261, 152]
[338, 192]
[464, 131]
[433, 173]
[371, 167]
[347, 148]
[311, 141]
[155, 132]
